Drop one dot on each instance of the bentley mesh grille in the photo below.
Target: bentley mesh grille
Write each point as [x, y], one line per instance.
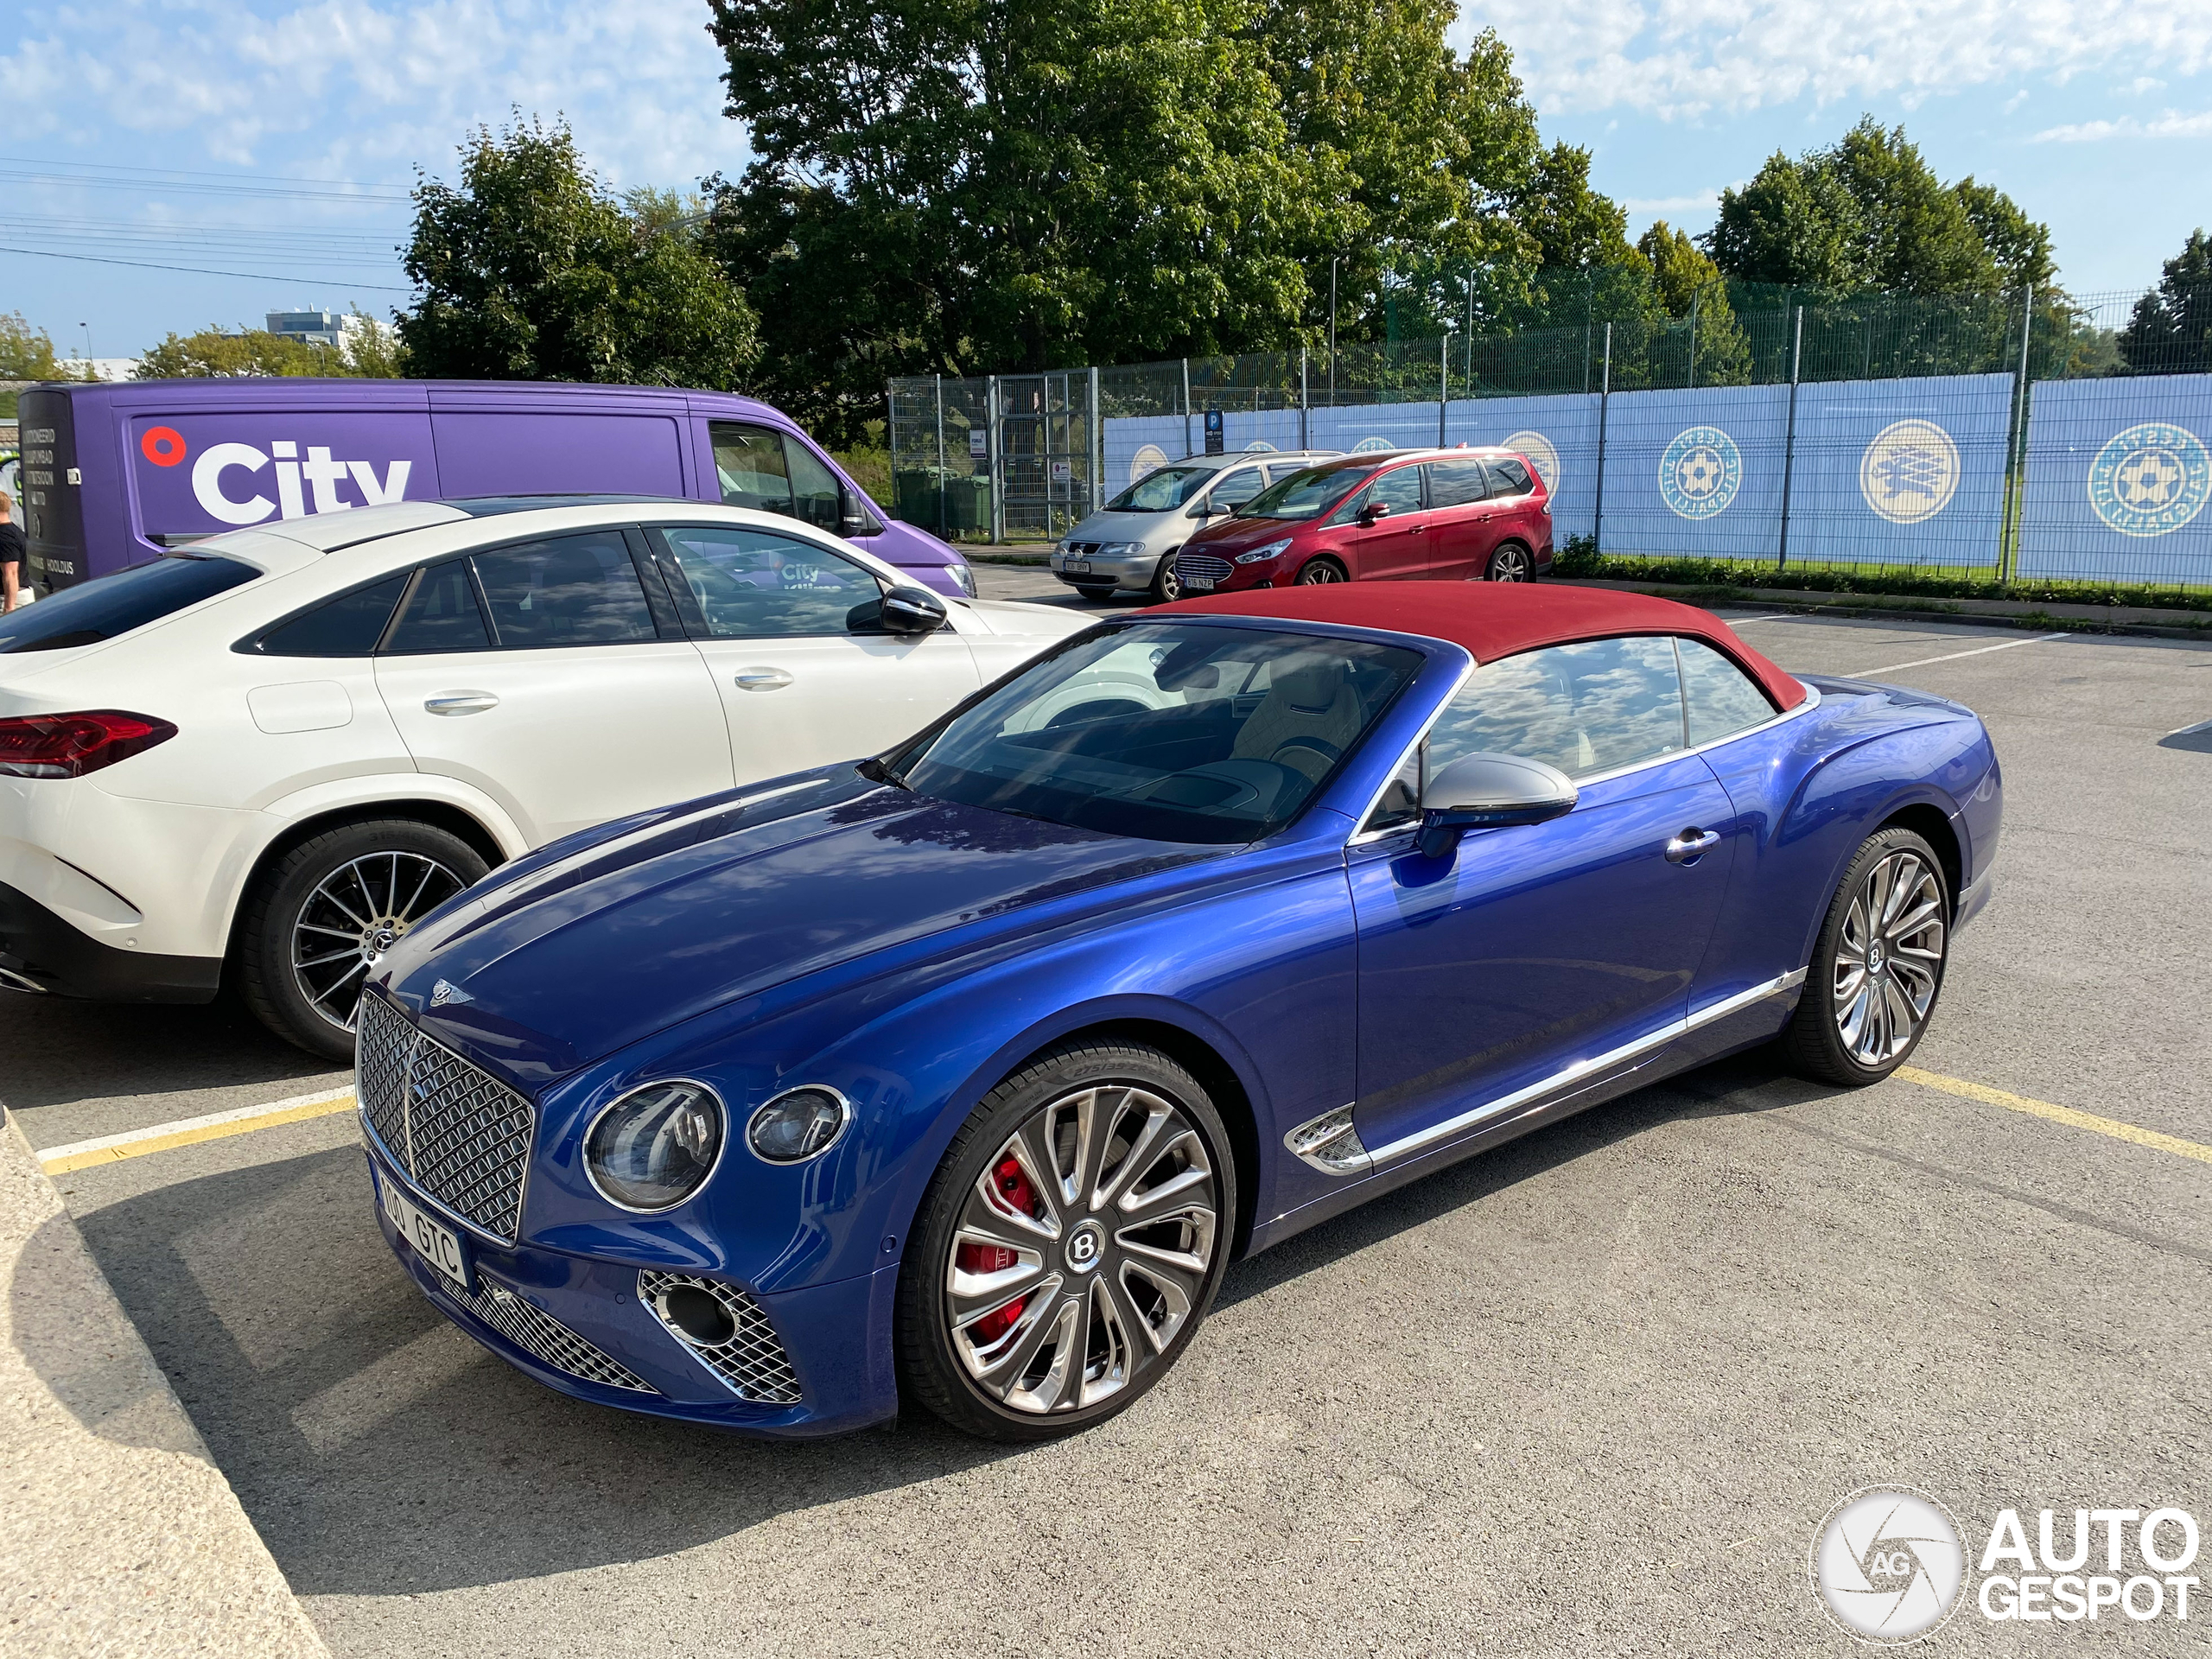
[458, 1133]
[752, 1362]
[528, 1326]
[1204, 566]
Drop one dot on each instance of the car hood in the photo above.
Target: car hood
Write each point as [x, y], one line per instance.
[1236, 535]
[585, 954]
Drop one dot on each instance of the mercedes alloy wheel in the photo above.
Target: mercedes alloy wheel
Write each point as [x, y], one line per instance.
[1071, 1243]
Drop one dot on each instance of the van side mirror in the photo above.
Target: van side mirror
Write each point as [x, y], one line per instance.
[1488, 791]
[853, 516]
[1371, 511]
[913, 610]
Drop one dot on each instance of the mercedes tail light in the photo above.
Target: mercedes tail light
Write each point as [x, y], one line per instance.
[69, 746]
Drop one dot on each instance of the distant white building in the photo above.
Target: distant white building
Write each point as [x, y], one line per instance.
[316, 328]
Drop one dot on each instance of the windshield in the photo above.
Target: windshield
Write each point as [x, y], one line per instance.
[1167, 731]
[1160, 489]
[108, 606]
[1304, 495]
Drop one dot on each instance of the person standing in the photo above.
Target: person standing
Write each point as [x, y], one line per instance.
[12, 549]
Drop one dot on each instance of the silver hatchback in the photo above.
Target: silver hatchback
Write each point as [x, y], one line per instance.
[1129, 544]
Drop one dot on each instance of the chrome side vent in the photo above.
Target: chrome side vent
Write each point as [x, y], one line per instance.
[1330, 1144]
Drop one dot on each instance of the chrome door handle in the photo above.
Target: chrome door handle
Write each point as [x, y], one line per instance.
[1690, 844]
[461, 702]
[762, 679]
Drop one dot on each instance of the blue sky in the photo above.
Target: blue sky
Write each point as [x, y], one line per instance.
[277, 140]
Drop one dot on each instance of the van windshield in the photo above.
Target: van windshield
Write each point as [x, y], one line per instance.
[112, 605]
[1163, 488]
[1305, 495]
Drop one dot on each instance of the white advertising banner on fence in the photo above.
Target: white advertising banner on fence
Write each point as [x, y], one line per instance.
[1901, 471]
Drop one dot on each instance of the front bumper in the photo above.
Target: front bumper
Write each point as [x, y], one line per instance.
[38, 946]
[837, 1335]
[1123, 573]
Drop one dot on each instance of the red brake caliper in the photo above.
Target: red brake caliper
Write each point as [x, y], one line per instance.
[1015, 1190]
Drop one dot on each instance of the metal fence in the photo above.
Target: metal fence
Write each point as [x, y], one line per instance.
[2054, 437]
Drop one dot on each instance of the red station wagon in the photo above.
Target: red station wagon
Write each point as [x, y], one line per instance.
[1421, 515]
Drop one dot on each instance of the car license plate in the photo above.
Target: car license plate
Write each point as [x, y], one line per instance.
[434, 1242]
[1197, 584]
[1077, 566]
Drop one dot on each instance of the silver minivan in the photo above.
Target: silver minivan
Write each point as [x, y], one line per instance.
[1129, 544]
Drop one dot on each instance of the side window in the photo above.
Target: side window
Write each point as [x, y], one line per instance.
[565, 590]
[348, 625]
[1399, 491]
[757, 467]
[1720, 696]
[1509, 478]
[1456, 483]
[750, 585]
[1400, 807]
[1584, 709]
[441, 614]
[1236, 490]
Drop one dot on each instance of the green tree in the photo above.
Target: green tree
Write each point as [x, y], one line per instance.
[27, 354]
[220, 354]
[1869, 213]
[1570, 226]
[530, 270]
[1687, 285]
[2170, 330]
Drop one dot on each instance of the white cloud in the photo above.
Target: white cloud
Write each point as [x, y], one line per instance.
[2172, 125]
[1688, 58]
[1705, 201]
[363, 90]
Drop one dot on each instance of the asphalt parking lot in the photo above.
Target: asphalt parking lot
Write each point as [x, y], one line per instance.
[1590, 1395]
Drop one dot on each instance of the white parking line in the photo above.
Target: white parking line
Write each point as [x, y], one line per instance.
[1953, 656]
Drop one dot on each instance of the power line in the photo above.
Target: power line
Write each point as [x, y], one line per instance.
[125, 175]
[194, 270]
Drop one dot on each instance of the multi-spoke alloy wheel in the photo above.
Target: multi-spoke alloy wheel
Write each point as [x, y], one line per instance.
[1511, 562]
[1317, 573]
[316, 920]
[355, 914]
[1071, 1243]
[1878, 966]
[1887, 959]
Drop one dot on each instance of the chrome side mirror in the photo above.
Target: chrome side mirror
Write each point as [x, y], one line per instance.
[1488, 791]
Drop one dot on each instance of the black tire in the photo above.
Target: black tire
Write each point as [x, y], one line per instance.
[932, 1371]
[1166, 586]
[283, 906]
[1317, 573]
[1510, 562]
[1819, 1042]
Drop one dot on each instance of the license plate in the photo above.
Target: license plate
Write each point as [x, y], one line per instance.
[1077, 566]
[1198, 584]
[437, 1243]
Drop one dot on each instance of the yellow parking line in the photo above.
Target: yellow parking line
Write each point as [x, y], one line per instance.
[189, 1131]
[2066, 1114]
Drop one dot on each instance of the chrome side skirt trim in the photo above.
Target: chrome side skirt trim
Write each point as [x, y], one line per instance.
[1585, 1071]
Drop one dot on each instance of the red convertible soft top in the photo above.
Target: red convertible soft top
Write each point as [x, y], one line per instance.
[1494, 620]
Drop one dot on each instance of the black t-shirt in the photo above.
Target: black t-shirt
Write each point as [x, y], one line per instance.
[12, 544]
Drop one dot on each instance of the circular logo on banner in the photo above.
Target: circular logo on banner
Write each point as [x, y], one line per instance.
[1372, 446]
[1887, 1564]
[162, 445]
[1541, 456]
[1700, 472]
[1910, 471]
[1260, 447]
[2150, 479]
[1150, 459]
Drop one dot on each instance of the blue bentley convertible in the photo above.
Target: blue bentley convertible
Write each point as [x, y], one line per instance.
[960, 1073]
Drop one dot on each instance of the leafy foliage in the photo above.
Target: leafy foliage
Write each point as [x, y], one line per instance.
[530, 270]
[219, 354]
[2170, 332]
[1868, 213]
[27, 354]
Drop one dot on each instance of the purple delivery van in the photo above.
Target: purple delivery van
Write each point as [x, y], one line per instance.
[113, 473]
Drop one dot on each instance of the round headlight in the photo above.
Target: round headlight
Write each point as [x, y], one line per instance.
[798, 1125]
[655, 1147]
